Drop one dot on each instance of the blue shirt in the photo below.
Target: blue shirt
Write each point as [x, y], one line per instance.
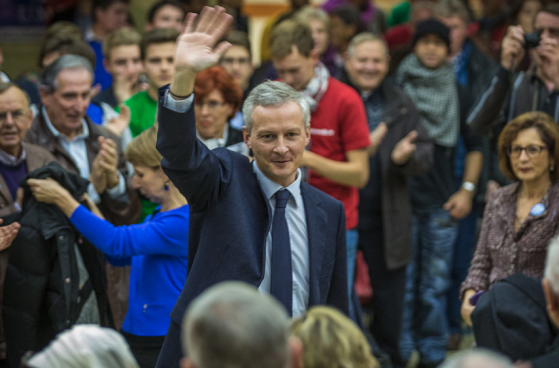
[157, 251]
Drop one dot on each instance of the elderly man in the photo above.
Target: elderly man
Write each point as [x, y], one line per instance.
[81, 147]
[255, 222]
[16, 160]
[400, 150]
[232, 325]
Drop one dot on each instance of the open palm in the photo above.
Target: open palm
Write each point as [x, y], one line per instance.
[196, 46]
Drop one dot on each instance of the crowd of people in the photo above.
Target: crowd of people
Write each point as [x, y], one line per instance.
[377, 187]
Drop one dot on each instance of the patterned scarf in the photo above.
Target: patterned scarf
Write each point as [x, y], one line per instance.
[435, 96]
[317, 86]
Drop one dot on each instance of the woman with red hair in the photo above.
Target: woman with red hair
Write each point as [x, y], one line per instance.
[217, 98]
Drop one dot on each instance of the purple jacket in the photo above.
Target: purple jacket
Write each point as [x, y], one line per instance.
[501, 251]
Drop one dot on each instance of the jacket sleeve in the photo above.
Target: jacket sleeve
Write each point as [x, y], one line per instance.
[422, 159]
[338, 295]
[494, 102]
[167, 236]
[480, 267]
[192, 167]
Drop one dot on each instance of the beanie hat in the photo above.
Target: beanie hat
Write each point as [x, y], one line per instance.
[432, 26]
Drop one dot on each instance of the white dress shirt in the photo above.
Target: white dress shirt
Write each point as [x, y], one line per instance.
[296, 221]
[77, 150]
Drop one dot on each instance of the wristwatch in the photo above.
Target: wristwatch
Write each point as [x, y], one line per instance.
[470, 187]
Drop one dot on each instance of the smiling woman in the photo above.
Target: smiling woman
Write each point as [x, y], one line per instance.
[521, 218]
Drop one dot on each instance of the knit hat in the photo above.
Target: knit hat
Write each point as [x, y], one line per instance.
[432, 26]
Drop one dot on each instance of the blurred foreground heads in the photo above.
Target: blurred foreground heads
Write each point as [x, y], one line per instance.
[232, 325]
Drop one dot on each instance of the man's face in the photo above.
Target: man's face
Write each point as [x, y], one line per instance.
[67, 105]
[295, 69]
[319, 35]
[458, 33]
[15, 120]
[368, 65]
[431, 51]
[548, 27]
[278, 139]
[125, 62]
[168, 16]
[212, 112]
[236, 61]
[158, 64]
[115, 16]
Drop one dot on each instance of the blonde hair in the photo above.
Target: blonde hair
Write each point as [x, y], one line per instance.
[331, 339]
[308, 13]
[142, 152]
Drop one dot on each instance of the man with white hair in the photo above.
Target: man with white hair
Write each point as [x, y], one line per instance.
[476, 359]
[233, 325]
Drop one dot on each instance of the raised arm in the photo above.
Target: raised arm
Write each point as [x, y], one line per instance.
[194, 169]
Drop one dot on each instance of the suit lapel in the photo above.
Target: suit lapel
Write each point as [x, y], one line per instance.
[316, 222]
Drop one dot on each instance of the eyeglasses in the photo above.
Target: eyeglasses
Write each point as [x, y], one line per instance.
[212, 105]
[17, 115]
[532, 151]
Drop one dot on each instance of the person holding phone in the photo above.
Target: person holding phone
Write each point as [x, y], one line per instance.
[520, 219]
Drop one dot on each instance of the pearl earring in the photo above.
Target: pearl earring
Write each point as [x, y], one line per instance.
[166, 186]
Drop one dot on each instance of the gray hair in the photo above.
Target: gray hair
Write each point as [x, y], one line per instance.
[308, 13]
[50, 75]
[365, 37]
[274, 94]
[552, 265]
[232, 325]
[477, 358]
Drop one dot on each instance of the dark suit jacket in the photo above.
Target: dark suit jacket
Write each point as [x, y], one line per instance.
[230, 218]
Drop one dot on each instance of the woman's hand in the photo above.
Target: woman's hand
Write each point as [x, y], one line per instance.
[50, 191]
[467, 307]
[47, 190]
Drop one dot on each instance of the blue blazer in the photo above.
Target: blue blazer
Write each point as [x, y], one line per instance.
[230, 218]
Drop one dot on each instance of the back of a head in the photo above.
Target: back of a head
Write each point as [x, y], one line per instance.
[291, 33]
[232, 325]
[476, 359]
[551, 272]
[332, 340]
[85, 346]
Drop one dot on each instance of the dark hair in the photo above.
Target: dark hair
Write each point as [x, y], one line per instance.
[239, 38]
[291, 33]
[549, 134]
[552, 9]
[349, 15]
[516, 7]
[157, 36]
[65, 45]
[160, 4]
[104, 4]
[217, 78]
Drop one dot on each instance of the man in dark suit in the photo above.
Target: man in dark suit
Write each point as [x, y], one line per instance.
[254, 222]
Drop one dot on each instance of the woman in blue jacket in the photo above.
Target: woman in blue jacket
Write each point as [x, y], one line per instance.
[156, 249]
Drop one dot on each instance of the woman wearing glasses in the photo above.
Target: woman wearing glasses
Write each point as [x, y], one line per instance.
[520, 219]
[217, 98]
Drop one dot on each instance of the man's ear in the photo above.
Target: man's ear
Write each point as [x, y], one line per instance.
[187, 363]
[296, 347]
[246, 136]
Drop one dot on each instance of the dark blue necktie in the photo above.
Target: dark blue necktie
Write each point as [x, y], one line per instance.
[281, 285]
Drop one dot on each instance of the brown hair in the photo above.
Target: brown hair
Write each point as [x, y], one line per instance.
[239, 38]
[157, 36]
[142, 152]
[121, 37]
[291, 33]
[549, 134]
[331, 339]
[66, 44]
[451, 8]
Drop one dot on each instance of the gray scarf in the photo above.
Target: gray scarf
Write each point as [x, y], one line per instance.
[435, 96]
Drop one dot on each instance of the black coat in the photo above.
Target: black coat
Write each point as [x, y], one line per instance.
[42, 295]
